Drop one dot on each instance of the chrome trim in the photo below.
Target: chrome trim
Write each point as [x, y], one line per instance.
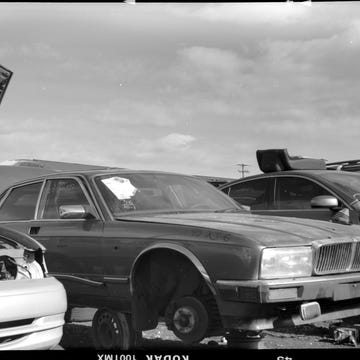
[39, 198]
[7, 192]
[319, 244]
[348, 278]
[120, 279]
[76, 278]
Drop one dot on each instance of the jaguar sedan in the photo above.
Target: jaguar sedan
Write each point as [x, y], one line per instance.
[144, 246]
[32, 304]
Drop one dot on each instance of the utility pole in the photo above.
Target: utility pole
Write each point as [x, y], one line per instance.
[242, 171]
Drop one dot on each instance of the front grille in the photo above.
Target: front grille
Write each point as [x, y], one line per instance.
[15, 323]
[337, 257]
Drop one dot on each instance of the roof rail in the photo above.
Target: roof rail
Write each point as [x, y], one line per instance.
[345, 165]
[273, 160]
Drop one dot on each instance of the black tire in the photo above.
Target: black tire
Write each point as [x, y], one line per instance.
[113, 330]
[188, 318]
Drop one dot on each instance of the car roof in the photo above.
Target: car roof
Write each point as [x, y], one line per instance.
[309, 173]
[16, 175]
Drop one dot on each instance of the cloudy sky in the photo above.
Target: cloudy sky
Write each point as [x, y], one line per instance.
[192, 88]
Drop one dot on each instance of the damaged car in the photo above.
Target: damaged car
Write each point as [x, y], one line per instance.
[140, 247]
[32, 304]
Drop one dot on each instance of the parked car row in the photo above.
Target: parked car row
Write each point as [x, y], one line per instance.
[142, 246]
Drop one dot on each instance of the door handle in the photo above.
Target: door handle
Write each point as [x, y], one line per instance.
[34, 230]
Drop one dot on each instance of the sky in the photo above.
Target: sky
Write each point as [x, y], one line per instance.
[194, 88]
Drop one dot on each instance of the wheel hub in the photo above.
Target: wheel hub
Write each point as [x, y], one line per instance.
[184, 320]
[108, 331]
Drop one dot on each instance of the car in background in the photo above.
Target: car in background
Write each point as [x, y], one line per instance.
[32, 303]
[345, 165]
[140, 246]
[294, 186]
[215, 181]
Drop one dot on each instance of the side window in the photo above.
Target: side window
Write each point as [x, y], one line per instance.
[61, 192]
[21, 203]
[296, 193]
[255, 194]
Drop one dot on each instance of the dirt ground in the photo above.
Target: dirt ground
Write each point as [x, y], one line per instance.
[78, 335]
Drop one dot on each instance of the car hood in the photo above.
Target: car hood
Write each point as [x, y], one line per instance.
[264, 230]
[19, 240]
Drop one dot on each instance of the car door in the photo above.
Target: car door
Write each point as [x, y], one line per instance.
[256, 194]
[293, 195]
[74, 246]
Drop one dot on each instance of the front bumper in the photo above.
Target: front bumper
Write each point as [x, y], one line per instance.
[32, 313]
[42, 334]
[335, 287]
[266, 304]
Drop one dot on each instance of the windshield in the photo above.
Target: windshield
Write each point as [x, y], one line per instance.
[348, 182]
[136, 193]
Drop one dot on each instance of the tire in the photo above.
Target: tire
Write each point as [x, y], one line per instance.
[113, 330]
[188, 318]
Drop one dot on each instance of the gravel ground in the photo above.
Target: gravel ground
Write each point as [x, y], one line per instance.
[78, 335]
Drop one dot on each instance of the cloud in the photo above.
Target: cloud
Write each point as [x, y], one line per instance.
[176, 141]
[134, 112]
[211, 58]
[262, 13]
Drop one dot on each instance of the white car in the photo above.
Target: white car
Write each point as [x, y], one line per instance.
[32, 304]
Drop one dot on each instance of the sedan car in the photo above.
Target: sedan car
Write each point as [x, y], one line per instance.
[32, 304]
[145, 246]
[298, 187]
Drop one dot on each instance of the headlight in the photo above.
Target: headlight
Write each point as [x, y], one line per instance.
[286, 262]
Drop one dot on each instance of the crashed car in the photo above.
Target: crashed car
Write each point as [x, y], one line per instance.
[32, 304]
[294, 186]
[141, 247]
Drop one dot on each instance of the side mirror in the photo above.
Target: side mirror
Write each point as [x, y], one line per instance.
[324, 201]
[74, 212]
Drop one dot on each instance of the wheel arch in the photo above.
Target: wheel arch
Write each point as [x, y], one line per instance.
[180, 250]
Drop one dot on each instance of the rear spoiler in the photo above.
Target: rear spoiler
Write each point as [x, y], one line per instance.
[273, 160]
